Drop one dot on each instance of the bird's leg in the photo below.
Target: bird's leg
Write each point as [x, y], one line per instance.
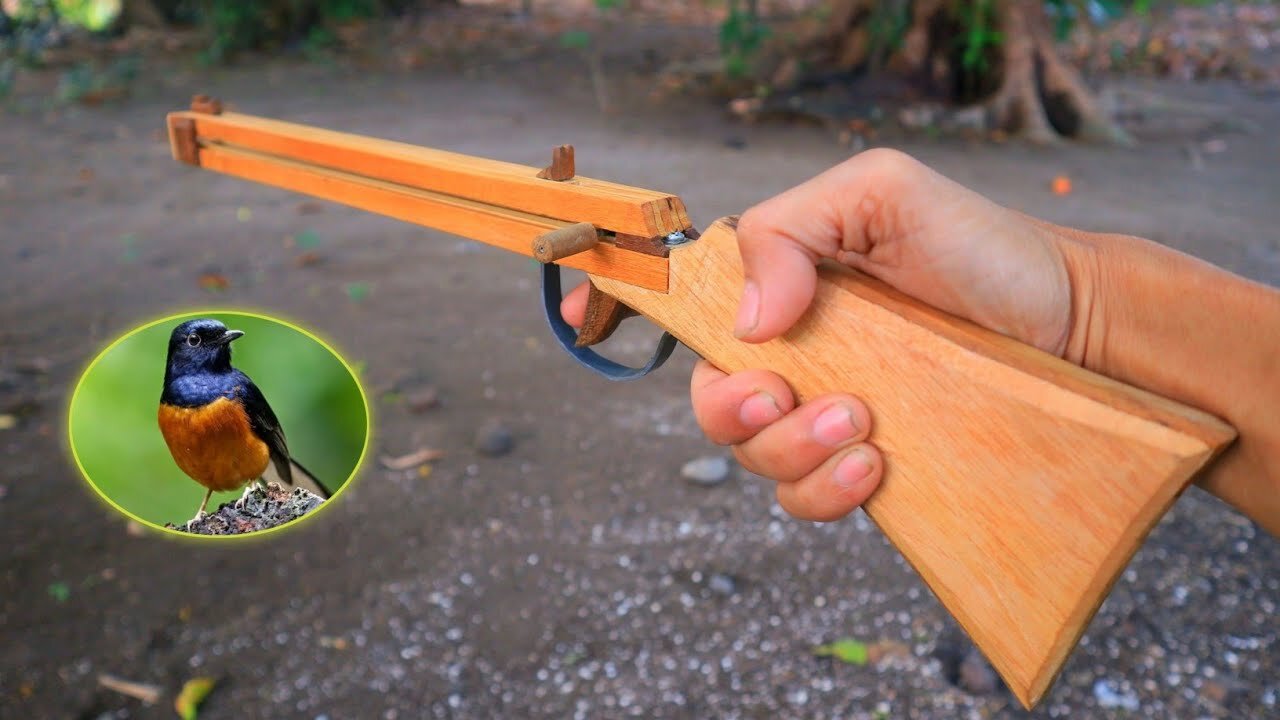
[200, 513]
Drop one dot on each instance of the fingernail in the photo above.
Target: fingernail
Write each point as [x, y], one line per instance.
[853, 469]
[748, 310]
[759, 410]
[834, 426]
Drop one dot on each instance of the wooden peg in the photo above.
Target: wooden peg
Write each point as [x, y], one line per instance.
[568, 240]
[561, 167]
[206, 104]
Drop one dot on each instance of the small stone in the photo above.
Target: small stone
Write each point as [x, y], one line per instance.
[709, 470]
[423, 400]
[1110, 698]
[976, 675]
[735, 143]
[493, 439]
[722, 584]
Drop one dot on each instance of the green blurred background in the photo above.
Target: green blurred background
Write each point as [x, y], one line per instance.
[116, 439]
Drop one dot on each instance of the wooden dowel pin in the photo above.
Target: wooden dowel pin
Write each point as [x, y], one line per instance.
[568, 240]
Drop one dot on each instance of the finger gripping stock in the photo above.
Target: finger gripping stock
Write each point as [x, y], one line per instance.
[1017, 485]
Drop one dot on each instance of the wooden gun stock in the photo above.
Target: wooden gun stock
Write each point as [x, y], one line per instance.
[1018, 485]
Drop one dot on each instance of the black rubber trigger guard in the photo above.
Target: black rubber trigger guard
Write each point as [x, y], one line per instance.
[592, 360]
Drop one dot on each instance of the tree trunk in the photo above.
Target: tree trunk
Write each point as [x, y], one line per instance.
[1025, 87]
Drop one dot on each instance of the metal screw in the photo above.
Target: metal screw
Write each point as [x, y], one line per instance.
[675, 238]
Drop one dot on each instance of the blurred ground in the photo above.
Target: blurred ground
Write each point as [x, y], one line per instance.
[577, 575]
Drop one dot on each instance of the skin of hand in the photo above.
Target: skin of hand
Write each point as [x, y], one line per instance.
[890, 216]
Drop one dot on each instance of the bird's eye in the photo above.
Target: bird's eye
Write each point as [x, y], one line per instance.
[193, 340]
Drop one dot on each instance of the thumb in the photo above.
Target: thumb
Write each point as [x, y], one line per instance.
[781, 241]
[783, 238]
[780, 279]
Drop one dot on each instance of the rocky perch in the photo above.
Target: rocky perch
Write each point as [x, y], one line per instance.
[258, 509]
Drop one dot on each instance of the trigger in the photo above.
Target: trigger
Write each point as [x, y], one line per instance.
[604, 312]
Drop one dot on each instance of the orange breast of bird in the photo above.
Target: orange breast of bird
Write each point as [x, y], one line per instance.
[214, 444]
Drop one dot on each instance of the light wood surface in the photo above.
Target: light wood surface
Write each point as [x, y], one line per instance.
[508, 229]
[608, 206]
[1018, 485]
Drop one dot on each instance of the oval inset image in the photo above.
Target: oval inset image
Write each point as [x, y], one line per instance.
[220, 423]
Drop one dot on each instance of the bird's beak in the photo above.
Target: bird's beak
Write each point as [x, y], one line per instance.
[229, 335]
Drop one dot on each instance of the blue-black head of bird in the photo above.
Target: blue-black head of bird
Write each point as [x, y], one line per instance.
[199, 346]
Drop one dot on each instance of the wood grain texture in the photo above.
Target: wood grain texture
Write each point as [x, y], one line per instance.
[1018, 485]
[508, 229]
[608, 206]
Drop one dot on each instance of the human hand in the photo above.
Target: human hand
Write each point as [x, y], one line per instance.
[889, 216]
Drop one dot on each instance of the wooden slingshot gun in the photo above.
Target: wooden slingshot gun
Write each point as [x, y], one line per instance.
[1017, 485]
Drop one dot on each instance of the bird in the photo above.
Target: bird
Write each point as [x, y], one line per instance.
[217, 423]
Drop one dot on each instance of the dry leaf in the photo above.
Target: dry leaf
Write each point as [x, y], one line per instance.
[307, 259]
[413, 459]
[884, 649]
[1061, 185]
[214, 282]
[146, 692]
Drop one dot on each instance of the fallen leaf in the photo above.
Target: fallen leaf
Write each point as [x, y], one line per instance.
[884, 649]
[26, 690]
[8, 422]
[846, 650]
[413, 459]
[86, 174]
[194, 691]
[244, 214]
[146, 692]
[59, 591]
[214, 282]
[308, 259]
[184, 613]
[1061, 185]
[308, 239]
[357, 291]
[424, 471]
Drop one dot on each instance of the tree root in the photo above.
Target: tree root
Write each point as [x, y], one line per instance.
[1033, 93]
[1041, 97]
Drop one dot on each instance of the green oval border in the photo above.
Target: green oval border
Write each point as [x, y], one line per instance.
[224, 539]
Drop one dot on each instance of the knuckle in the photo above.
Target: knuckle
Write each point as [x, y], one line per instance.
[887, 163]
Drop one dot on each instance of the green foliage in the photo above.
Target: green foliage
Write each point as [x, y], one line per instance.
[116, 440]
[887, 25]
[235, 25]
[575, 39]
[8, 74]
[980, 34]
[93, 15]
[94, 80]
[741, 35]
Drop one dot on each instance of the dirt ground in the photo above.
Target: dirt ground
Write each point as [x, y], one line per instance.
[578, 575]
